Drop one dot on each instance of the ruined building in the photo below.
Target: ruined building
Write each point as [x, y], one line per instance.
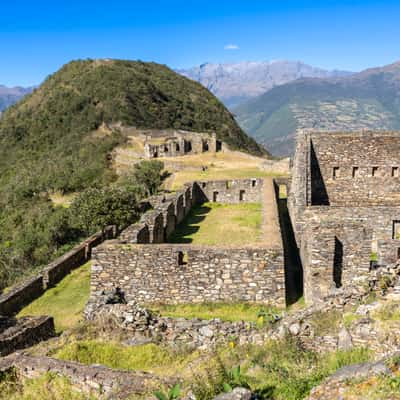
[148, 269]
[344, 203]
[174, 143]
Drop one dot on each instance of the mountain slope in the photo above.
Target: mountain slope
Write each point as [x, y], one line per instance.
[367, 100]
[235, 83]
[55, 121]
[9, 96]
[50, 142]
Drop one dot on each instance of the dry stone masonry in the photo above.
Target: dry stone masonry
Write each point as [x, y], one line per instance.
[178, 143]
[344, 206]
[144, 268]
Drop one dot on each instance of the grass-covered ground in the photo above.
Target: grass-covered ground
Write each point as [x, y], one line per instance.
[224, 311]
[66, 301]
[277, 370]
[223, 224]
[47, 387]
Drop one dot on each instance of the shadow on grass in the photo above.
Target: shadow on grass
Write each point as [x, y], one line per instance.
[189, 226]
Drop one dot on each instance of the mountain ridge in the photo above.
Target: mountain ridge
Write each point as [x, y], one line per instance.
[369, 99]
[234, 83]
[10, 95]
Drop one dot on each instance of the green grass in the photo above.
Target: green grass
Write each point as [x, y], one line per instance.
[66, 301]
[150, 357]
[281, 368]
[116, 355]
[224, 311]
[241, 225]
[47, 387]
[388, 312]
[278, 370]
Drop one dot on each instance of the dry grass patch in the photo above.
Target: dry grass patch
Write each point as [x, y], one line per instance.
[63, 200]
[222, 165]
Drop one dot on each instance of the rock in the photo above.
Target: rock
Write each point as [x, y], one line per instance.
[294, 329]
[363, 370]
[206, 331]
[236, 394]
[344, 339]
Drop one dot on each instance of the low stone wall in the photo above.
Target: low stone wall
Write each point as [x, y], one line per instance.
[93, 379]
[24, 332]
[187, 274]
[157, 224]
[142, 326]
[21, 295]
[232, 191]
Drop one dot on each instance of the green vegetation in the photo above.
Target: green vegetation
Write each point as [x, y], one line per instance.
[224, 311]
[47, 387]
[325, 323]
[388, 312]
[59, 139]
[364, 101]
[279, 370]
[172, 394]
[241, 224]
[66, 301]
[32, 233]
[116, 355]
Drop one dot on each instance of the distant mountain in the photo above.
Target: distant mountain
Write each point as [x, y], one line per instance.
[9, 96]
[235, 83]
[366, 100]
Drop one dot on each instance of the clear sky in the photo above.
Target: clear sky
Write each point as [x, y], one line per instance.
[37, 37]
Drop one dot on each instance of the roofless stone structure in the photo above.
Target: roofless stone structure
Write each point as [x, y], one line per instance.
[344, 204]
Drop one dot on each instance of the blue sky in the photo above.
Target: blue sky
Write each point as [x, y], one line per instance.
[37, 37]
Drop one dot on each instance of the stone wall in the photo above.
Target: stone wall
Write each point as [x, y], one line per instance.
[157, 224]
[341, 211]
[19, 333]
[93, 379]
[179, 143]
[21, 295]
[347, 169]
[189, 274]
[233, 191]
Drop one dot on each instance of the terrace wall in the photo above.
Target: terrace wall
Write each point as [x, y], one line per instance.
[188, 274]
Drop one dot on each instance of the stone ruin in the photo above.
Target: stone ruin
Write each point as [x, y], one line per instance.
[344, 204]
[147, 269]
[178, 143]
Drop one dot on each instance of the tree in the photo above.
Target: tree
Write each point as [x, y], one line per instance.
[145, 178]
[95, 209]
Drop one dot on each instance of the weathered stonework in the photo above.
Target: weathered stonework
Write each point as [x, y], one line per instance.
[151, 271]
[178, 143]
[344, 206]
[93, 379]
[188, 274]
[24, 332]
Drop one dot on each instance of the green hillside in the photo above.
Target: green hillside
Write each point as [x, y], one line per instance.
[50, 142]
[368, 100]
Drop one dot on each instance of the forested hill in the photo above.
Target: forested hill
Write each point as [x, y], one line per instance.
[55, 120]
[49, 142]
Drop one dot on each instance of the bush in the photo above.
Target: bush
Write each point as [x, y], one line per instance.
[95, 209]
